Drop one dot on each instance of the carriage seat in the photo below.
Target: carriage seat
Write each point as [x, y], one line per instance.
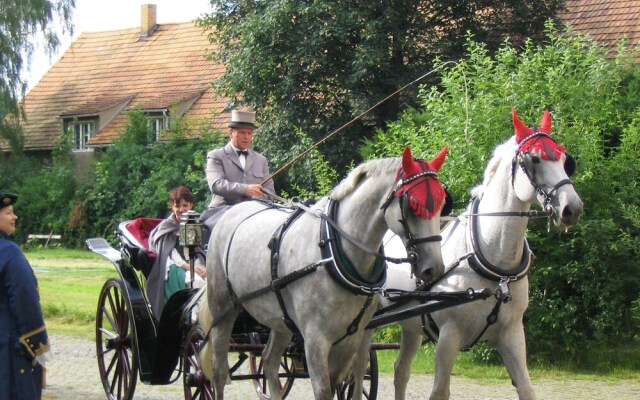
[134, 238]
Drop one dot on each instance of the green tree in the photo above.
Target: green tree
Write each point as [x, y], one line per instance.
[20, 22]
[312, 66]
[584, 285]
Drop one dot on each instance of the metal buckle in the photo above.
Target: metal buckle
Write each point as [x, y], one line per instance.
[503, 292]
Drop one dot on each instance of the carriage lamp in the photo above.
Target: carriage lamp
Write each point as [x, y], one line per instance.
[190, 229]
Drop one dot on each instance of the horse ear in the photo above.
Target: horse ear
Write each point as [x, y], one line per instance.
[520, 128]
[545, 123]
[407, 160]
[437, 162]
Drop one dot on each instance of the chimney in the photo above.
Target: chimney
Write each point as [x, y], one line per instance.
[148, 22]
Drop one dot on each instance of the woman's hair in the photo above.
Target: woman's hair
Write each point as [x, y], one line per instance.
[180, 193]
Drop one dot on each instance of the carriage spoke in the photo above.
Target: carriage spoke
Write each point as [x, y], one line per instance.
[116, 364]
[109, 317]
[109, 333]
[113, 363]
[115, 382]
[111, 311]
[105, 352]
[196, 385]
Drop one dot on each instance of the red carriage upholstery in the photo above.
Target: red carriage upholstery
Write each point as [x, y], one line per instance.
[141, 228]
[134, 236]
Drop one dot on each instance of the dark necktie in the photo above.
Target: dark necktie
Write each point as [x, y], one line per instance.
[241, 152]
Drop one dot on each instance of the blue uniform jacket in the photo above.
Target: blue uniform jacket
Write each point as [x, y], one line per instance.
[23, 335]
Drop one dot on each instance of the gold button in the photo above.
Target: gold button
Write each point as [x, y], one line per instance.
[22, 371]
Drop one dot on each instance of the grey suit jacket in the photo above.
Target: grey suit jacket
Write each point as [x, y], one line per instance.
[228, 181]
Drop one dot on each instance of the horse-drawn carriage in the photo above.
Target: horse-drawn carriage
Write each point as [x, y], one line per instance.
[254, 319]
[132, 343]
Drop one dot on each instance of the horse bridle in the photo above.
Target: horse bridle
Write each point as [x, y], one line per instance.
[412, 254]
[523, 160]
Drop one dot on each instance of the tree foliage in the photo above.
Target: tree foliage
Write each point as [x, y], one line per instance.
[133, 177]
[315, 65]
[20, 22]
[45, 190]
[584, 283]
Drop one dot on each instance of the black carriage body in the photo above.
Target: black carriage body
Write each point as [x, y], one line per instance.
[156, 345]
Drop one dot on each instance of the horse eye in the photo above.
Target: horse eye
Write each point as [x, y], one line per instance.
[535, 159]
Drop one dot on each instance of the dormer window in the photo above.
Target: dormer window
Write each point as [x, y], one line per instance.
[159, 122]
[82, 130]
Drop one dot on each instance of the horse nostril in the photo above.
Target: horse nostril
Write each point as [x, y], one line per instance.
[570, 215]
[427, 276]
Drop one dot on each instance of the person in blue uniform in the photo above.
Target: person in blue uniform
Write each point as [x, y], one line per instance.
[24, 343]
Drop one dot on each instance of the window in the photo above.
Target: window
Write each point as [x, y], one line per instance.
[82, 132]
[159, 123]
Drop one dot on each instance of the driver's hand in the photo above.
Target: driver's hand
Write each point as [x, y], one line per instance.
[254, 190]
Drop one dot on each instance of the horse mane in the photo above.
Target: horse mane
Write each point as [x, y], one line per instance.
[505, 150]
[371, 168]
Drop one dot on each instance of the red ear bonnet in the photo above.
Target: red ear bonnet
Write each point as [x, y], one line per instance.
[545, 123]
[425, 194]
[544, 145]
[521, 130]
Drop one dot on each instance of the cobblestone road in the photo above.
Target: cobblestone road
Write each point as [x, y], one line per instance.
[73, 375]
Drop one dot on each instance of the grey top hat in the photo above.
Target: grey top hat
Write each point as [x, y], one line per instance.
[7, 199]
[242, 119]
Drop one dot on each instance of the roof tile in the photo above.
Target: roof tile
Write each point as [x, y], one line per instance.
[604, 20]
[102, 70]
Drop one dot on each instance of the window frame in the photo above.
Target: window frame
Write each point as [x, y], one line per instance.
[156, 118]
[80, 137]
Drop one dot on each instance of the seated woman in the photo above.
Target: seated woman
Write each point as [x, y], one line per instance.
[171, 269]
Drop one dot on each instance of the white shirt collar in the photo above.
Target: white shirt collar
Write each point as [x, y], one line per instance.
[241, 157]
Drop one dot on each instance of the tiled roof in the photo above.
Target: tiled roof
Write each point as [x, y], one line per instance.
[606, 21]
[108, 72]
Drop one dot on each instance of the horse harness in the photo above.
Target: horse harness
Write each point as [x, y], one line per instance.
[476, 259]
[525, 162]
[334, 259]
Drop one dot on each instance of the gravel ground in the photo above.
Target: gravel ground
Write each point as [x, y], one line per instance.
[73, 375]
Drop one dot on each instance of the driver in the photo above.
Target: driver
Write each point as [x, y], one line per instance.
[235, 172]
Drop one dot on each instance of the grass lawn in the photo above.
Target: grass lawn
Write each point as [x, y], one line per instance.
[70, 282]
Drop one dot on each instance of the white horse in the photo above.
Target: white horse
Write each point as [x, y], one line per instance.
[334, 246]
[485, 247]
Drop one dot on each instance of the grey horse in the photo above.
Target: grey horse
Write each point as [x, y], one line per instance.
[485, 247]
[403, 195]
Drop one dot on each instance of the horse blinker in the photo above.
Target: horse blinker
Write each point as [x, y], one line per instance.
[569, 165]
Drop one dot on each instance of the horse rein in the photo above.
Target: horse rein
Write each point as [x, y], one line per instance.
[348, 237]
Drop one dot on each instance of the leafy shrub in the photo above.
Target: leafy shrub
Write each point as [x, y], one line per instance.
[134, 177]
[45, 191]
[585, 283]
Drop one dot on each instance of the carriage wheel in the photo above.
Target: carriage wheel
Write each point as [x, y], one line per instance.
[114, 342]
[369, 386]
[196, 385]
[287, 366]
